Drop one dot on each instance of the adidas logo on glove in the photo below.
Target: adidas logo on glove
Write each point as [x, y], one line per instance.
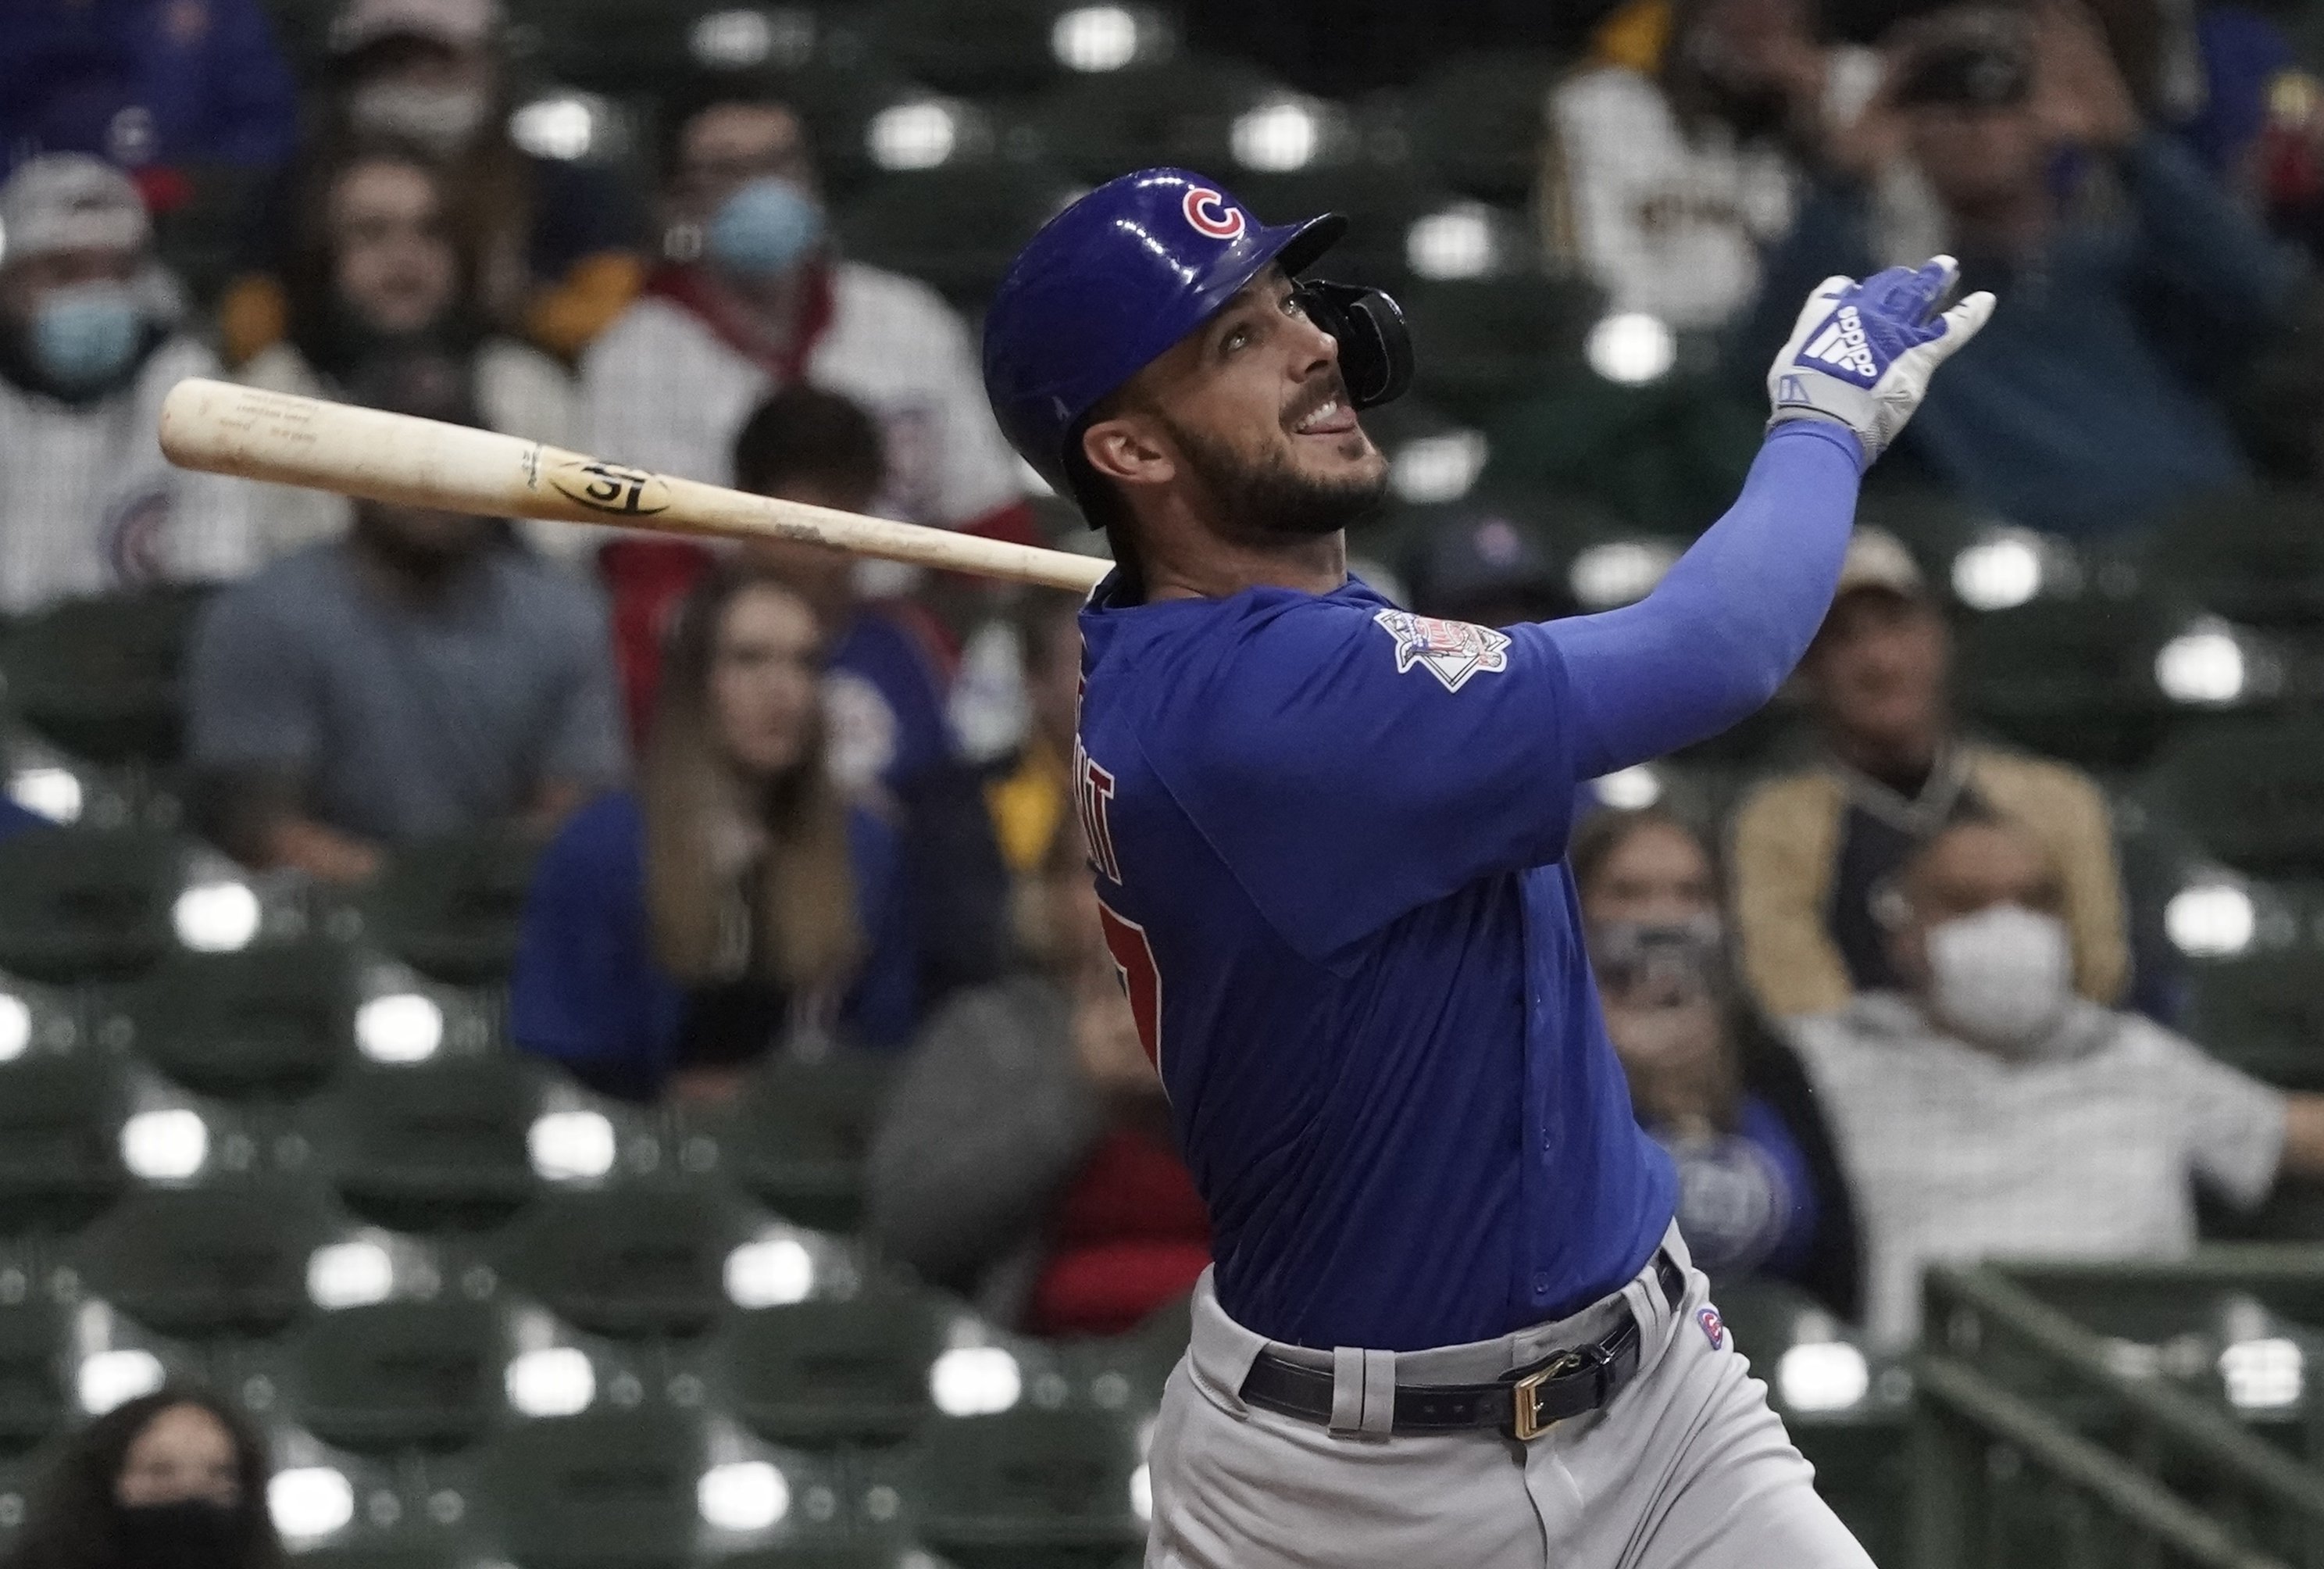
[1841, 346]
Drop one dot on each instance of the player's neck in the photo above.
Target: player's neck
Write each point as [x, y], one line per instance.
[1312, 564]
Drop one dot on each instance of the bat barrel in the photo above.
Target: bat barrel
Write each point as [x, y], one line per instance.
[222, 429]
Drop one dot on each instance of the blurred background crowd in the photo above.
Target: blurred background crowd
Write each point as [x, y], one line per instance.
[529, 1042]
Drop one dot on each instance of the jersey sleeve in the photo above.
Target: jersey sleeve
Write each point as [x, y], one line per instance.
[2231, 1125]
[1349, 763]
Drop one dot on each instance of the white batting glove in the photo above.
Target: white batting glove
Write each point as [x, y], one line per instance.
[1861, 353]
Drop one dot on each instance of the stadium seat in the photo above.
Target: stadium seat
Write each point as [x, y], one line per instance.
[451, 907]
[2250, 788]
[1380, 204]
[60, 1118]
[2263, 1011]
[100, 676]
[85, 904]
[605, 1490]
[639, 1262]
[206, 1262]
[1484, 342]
[816, 1374]
[991, 47]
[398, 1550]
[400, 1375]
[1666, 457]
[796, 1138]
[2068, 677]
[33, 1399]
[430, 1146]
[1477, 121]
[1029, 1490]
[273, 1022]
[2256, 558]
[1179, 112]
[956, 227]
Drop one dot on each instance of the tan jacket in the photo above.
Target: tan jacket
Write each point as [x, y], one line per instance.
[1786, 845]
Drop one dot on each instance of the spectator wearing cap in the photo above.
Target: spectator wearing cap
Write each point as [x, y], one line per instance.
[378, 264]
[1679, 151]
[89, 345]
[160, 88]
[754, 296]
[1983, 1110]
[1484, 568]
[2091, 400]
[420, 676]
[1810, 848]
[554, 239]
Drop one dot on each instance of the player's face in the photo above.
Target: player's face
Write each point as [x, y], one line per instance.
[1249, 412]
[765, 680]
[1878, 671]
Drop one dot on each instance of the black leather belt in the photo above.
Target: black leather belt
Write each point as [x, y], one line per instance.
[1523, 1403]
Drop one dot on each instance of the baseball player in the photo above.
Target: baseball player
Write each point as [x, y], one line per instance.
[1450, 1321]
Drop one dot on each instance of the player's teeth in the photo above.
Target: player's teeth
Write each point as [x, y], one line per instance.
[1330, 408]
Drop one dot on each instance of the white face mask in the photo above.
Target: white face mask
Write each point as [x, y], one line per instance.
[2003, 977]
[443, 120]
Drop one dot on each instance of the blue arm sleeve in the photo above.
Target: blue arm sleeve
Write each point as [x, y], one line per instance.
[1722, 631]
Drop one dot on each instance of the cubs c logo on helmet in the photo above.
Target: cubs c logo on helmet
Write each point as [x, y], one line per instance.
[1212, 214]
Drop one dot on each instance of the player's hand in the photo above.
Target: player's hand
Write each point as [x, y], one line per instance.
[1861, 353]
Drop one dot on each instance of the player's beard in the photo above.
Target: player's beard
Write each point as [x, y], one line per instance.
[1271, 496]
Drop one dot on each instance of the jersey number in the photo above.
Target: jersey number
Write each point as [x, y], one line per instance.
[1133, 961]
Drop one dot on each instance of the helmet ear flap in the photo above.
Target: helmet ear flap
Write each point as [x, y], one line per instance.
[1375, 344]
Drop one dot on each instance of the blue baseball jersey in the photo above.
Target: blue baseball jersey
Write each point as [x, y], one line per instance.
[1329, 837]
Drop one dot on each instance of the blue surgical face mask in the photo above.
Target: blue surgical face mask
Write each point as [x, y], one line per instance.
[764, 229]
[85, 334]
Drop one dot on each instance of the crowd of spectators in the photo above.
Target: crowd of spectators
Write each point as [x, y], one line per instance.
[1889, 1010]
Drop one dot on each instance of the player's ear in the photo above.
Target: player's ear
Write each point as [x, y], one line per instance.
[1125, 448]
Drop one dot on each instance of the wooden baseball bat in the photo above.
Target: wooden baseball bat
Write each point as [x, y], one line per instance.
[224, 428]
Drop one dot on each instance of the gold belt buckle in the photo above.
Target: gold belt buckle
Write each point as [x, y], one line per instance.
[1524, 1415]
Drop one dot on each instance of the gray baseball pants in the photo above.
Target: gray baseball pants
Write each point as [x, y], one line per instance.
[1686, 1468]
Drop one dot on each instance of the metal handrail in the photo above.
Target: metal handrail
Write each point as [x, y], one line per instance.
[2201, 1429]
[2051, 1444]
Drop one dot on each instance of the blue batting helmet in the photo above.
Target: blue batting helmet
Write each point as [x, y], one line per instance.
[1129, 269]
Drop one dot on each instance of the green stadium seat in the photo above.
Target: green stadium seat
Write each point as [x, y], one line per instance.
[206, 1262]
[639, 1262]
[1485, 342]
[273, 1022]
[2250, 788]
[398, 1550]
[451, 907]
[1477, 121]
[60, 1118]
[991, 47]
[20, 1478]
[2068, 677]
[400, 1375]
[1029, 1490]
[437, 1146]
[956, 227]
[1666, 458]
[34, 1401]
[796, 1138]
[100, 676]
[812, 1375]
[2256, 559]
[605, 1490]
[85, 904]
[1380, 204]
[1181, 112]
[2263, 1010]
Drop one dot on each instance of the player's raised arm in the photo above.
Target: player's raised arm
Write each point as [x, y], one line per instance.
[1724, 630]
